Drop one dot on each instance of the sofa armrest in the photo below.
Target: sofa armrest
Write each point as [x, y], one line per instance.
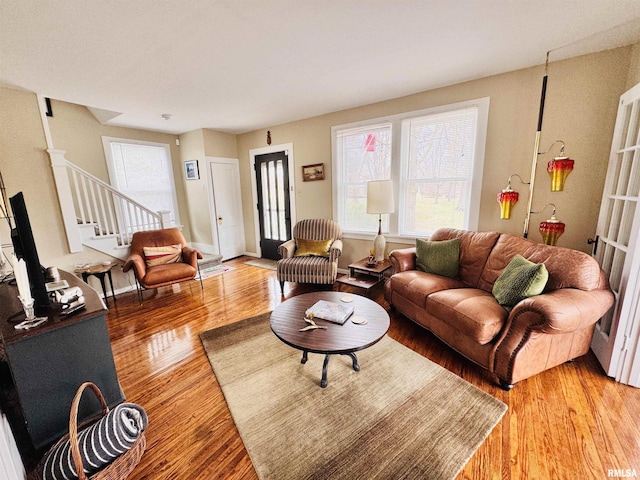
[335, 251]
[559, 312]
[191, 255]
[403, 259]
[566, 309]
[138, 264]
[287, 249]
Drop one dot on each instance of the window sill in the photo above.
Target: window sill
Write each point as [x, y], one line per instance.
[390, 238]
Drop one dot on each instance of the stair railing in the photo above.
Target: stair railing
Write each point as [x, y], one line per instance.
[87, 200]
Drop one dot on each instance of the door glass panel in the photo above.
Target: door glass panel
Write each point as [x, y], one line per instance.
[627, 222]
[265, 200]
[625, 172]
[625, 126]
[282, 221]
[616, 270]
[635, 125]
[616, 214]
[273, 200]
[607, 258]
[607, 321]
[634, 183]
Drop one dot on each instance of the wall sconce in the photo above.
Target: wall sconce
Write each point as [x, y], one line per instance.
[552, 228]
[559, 169]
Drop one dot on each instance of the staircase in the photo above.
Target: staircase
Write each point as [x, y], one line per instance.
[95, 214]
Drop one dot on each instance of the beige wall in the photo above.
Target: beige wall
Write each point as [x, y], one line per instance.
[634, 67]
[582, 98]
[581, 105]
[197, 145]
[25, 167]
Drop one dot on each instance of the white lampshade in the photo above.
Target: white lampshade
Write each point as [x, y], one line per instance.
[380, 196]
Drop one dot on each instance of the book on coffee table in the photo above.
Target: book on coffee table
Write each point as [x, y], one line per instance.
[330, 311]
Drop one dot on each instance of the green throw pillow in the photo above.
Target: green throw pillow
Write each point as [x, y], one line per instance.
[441, 258]
[520, 279]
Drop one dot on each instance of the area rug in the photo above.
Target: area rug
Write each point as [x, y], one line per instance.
[400, 416]
[263, 263]
[213, 271]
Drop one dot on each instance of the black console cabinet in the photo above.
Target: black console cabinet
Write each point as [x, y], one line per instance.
[44, 367]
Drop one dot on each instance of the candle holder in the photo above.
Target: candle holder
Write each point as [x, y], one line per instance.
[30, 316]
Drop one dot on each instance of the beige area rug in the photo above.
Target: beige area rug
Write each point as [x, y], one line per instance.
[263, 263]
[400, 416]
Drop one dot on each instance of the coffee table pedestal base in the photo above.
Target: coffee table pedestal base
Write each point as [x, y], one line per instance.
[324, 382]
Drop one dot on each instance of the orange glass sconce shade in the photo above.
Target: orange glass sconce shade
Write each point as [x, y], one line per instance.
[559, 169]
[551, 230]
[507, 199]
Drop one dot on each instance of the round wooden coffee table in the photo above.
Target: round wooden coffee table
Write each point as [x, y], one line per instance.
[288, 318]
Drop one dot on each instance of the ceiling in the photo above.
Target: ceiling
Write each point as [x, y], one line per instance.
[241, 65]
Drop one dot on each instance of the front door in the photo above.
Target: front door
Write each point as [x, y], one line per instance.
[274, 211]
[617, 247]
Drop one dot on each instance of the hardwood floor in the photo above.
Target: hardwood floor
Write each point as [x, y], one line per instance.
[571, 422]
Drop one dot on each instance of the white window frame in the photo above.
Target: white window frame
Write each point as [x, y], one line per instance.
[472, 214]
[106, 143]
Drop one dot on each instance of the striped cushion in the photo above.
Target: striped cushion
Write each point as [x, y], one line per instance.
[100, 443]
[162, 255]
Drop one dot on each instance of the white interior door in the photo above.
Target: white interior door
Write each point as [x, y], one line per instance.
[228, 224]
[617, 249]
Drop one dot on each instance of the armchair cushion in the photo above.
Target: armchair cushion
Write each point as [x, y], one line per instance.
[162, 255]
[317, 248]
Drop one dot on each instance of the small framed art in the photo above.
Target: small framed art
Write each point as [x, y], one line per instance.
[191, 170]
[313, 172]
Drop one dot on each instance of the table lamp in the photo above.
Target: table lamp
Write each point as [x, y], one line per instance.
[379, 201]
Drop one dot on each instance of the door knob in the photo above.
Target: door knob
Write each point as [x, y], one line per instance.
[594, 242]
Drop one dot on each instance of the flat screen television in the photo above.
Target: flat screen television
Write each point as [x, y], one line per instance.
[24, 247]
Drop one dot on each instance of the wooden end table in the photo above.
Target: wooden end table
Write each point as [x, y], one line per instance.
[99, 271]
[363, 275]
[288, 318]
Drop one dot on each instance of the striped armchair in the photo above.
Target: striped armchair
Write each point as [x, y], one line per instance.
[311, 268]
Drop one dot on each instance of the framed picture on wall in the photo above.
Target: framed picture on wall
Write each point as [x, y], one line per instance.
[313, 172]
[191, 170]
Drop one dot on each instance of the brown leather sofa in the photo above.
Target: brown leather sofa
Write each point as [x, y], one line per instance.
[539, 333]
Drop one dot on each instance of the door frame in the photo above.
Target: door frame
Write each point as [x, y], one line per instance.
[253, 153]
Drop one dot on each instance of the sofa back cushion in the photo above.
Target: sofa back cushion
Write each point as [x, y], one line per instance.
[567, 268]
[475, 248]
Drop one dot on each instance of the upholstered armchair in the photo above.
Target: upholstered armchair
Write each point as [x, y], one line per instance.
[161, 257]
[312, 255]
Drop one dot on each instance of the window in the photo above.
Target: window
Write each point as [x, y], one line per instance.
[436, 167]
[142, 171]
[365, 154]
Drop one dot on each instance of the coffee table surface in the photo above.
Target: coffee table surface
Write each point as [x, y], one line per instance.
[288, 318]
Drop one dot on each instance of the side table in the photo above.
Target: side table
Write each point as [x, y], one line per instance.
[363, 275]
[99, 271]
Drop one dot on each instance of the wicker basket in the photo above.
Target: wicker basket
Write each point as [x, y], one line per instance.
[120, 468]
